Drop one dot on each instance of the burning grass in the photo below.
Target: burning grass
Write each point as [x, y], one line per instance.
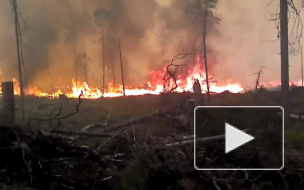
[155, 86]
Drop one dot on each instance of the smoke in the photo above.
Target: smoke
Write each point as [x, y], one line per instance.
[55, 34]
[247, 41]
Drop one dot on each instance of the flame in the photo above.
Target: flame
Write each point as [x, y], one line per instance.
[155, 86]
[274, 84]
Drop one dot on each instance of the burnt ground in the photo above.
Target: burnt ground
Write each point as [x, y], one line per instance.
[137, 156]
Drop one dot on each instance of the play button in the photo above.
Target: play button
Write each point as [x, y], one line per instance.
[238, 138]
[235, 138]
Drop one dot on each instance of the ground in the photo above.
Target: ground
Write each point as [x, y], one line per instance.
[168, 164]
[113, 110]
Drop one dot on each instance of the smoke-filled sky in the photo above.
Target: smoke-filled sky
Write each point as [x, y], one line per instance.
[246, 42]
[151, 33]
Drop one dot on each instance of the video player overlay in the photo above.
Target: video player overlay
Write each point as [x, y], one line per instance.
[240, 137]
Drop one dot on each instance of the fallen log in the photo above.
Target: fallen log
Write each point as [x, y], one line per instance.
[93, 127]
[134, 121]
[188, 137]
[76, 133]
[294, 116]
[216, 137]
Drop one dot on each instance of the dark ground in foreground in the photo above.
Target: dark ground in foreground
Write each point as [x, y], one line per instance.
[137, 157]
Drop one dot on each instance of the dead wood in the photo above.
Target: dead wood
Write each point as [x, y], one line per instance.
[93, 127]
[189, 139]
[294, 116]
[58, 116]
[48, 161]
[172, 69]
[75, 133]
[197, 140]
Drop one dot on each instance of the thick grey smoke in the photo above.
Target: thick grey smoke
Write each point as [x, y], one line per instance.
[247, 41]
[150, 32]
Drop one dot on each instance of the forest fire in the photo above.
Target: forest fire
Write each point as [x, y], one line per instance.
[274, 84]
[155, 86]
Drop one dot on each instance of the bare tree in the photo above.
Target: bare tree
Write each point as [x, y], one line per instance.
[201, 11]
[294, 22]
[76, 63]
[284, 58]
[102, 15]
[259, 73]
[302, 65]
[290, 42]
[171, 72]
[121, 67]
[205, 52]
[19, 56]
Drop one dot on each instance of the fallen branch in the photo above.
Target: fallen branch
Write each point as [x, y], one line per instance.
[294, 116]
[92, 126]
[188, 137]
[109, 139]
[57, 116]
[217, 137]
[63, 132]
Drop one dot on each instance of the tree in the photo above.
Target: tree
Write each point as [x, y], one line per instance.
[257, 81]
[284, 58]
[290, 43]
[201, 12]
[102, 15]
[19, 56]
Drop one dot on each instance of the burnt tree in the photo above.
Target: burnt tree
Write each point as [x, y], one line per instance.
[284, 58]
[200, 11]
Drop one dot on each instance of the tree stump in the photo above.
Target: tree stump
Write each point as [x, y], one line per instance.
[198, 98]
[8, 102]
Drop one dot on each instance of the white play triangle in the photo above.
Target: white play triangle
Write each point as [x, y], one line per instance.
[235, 138]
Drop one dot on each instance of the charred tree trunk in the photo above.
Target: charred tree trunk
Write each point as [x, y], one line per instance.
[8, 103]
[103, 63]
[17, 30]
[121, 65]
[113, 68]
[76, 65]
[302, 65]
[205, 53]
[257, 82]
[284, 59]
[85, 72]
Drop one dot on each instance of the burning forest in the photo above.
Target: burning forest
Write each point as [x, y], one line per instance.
[151, 94]
[160, 83]
[88, 51]
[87, 48]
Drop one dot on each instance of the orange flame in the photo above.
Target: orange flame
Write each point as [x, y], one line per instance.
[155, 86]
[274, 84]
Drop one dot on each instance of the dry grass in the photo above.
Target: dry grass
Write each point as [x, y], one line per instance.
[119, 109]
